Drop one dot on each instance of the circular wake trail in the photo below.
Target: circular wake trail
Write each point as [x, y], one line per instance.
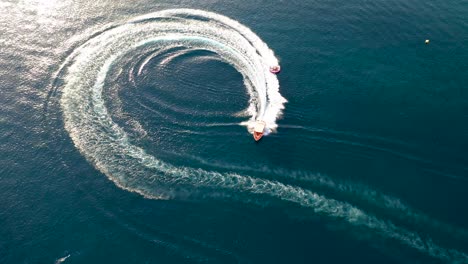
[108, 147]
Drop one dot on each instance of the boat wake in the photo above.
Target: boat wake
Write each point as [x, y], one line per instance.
[110, 149]
[62, 259]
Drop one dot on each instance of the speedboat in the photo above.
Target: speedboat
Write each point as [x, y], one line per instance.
[258, 130]
[275, 69]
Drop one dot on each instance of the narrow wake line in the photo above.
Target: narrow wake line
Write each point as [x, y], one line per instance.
[318, 203]
[391, 204]
[381, 144]
[361, 192]
[110, 150]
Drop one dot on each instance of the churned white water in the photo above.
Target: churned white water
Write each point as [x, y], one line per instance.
[109, 149]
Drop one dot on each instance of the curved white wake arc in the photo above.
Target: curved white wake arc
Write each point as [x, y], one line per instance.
[266, 102]
[109, 149]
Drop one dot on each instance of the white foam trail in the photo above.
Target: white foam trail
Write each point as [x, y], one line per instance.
[393, 205]
[361, 192]
[61, 260]
[109, 149]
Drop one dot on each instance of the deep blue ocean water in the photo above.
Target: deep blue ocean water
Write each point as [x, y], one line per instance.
[368, 164]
